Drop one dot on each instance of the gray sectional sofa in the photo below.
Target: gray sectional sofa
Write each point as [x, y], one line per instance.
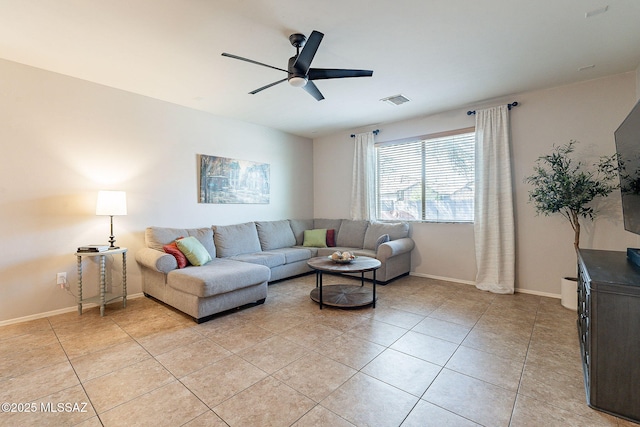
[248, 256]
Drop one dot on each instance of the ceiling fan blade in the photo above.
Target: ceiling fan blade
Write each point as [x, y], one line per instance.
[229, 55]
[334, 73]
[309, 50]
[313, 90]
[267, 86]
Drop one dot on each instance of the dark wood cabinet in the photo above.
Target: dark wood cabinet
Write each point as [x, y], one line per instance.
[609, 331]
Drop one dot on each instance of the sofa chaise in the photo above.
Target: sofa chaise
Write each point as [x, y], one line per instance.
[246, 257]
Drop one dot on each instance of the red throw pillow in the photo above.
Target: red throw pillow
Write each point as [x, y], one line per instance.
[331, 238]
[172, 249]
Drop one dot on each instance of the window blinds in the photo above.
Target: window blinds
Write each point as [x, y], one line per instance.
[427, 179]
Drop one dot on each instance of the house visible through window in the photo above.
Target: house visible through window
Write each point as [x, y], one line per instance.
[428, 178]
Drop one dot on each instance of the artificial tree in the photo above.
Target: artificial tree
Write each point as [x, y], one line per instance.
[567, 186]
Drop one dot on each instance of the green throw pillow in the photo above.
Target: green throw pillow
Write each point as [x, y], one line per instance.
[193, 250]
[316, 238]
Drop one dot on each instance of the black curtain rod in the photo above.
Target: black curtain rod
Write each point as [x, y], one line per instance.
[375, 132]
[509, 106]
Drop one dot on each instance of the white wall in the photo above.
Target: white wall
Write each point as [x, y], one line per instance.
[63, 139]
[588, 112]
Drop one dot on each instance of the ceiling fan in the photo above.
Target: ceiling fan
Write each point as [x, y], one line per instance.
[299, 72]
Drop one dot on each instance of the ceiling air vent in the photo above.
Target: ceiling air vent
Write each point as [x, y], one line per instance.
[395, 99]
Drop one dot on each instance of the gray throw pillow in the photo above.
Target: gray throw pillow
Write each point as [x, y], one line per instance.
[395, 230]
[382, 239]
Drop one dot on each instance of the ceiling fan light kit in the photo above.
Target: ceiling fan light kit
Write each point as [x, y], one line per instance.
[297, 81]
[300, 73]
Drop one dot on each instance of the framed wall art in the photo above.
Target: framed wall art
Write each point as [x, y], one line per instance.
[224, 180]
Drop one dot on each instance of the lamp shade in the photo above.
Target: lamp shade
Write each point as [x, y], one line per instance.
[111, 203]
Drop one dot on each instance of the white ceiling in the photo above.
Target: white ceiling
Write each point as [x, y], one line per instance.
[441, 54]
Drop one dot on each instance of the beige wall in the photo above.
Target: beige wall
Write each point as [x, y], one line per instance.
[588, 112]
[638, 82]
[63, 139]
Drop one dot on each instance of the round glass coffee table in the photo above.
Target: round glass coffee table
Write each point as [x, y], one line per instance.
[344, 296]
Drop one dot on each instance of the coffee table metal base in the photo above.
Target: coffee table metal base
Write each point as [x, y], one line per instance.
[344, 296]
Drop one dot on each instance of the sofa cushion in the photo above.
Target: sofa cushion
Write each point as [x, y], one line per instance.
[312, 251]
[327, 223]
[316, 238]
[328, 251]
[193, 250]
[269, 259]
[218, 277]
[298, 226]
[236, 239]
[351, 233]
[395, 230]
[295, 254]
[275, 234]
[157, 237]
[325, 252]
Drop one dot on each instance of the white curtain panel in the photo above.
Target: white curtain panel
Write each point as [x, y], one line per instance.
[363, 187]
[494, 221]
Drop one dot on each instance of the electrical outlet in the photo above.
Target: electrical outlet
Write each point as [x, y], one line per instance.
[61, 280]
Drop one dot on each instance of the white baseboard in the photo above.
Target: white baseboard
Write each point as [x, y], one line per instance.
[55, 312]
[541, 294]
[472, 283]
[446, 279]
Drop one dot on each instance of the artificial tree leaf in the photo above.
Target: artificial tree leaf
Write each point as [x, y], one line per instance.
[564, 185]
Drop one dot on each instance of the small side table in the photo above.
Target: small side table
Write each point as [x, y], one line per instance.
[103, 298]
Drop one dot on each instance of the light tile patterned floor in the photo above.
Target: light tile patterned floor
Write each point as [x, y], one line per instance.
[431, 353]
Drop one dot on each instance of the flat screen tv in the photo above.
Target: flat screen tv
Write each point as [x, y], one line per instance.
[628, 149]
[627, 138]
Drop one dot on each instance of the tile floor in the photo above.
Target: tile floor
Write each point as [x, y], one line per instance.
[431, 353]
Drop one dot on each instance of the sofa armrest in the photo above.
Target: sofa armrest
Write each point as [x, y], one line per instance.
[156, 260]
[394, 247]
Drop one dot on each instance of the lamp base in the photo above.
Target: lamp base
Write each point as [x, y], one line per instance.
[112, 238]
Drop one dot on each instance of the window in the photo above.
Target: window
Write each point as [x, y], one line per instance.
[428, 178]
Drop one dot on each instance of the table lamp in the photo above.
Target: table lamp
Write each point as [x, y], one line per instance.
[111, 203]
